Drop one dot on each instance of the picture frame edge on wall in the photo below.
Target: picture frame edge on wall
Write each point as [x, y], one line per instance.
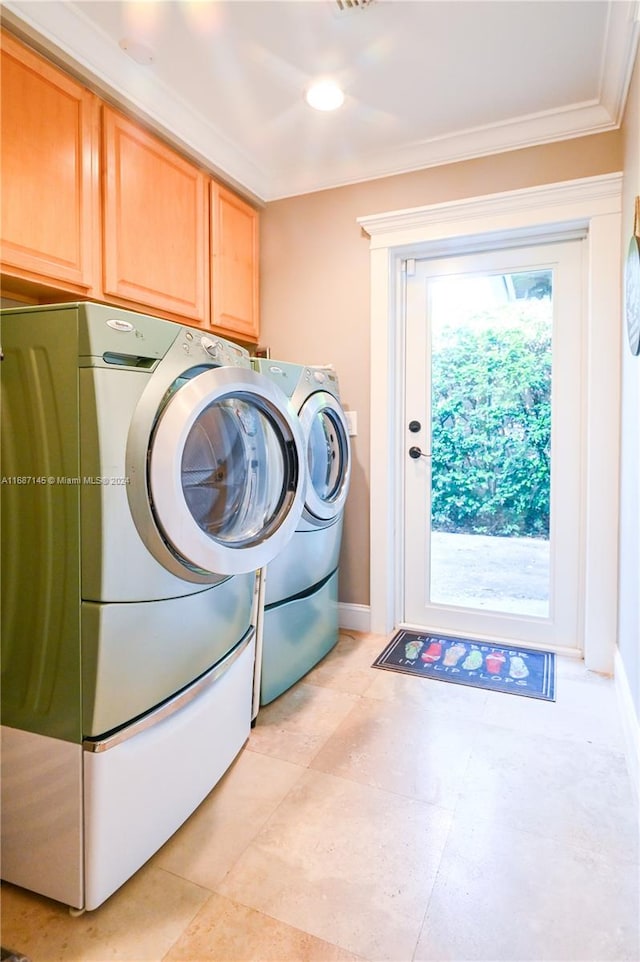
[631, 290]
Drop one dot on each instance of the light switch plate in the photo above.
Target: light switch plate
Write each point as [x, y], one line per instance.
[352, 422]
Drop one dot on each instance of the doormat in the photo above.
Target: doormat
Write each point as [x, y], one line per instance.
[463, 661]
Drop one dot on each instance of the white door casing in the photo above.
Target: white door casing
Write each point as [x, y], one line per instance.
[590, 205]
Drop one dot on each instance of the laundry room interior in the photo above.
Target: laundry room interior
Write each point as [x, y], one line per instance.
[320, 473]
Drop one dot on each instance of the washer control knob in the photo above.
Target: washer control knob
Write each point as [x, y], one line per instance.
[319, 376]
[210, 346]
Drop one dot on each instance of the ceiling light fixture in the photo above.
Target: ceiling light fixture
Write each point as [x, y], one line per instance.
[324, 95]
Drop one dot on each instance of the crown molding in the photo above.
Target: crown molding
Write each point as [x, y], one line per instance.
[531, 131]
[621, 46]
[64, 33]
[579, 120]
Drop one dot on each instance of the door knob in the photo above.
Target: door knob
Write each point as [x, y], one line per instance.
[416, 453]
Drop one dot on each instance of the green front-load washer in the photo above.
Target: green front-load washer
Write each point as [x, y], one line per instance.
[147, 473]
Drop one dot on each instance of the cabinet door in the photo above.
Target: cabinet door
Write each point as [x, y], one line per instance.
[234, 265]
[50, 188]
[155, 223]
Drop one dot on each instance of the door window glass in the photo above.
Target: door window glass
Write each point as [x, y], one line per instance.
[234, 472]
[491, 440]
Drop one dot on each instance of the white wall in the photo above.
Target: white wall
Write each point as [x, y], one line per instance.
[629, 585]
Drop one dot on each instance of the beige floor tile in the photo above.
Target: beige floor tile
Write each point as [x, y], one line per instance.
[572, 666]
[348, 864]
[207, 845]
[296, 725]
[347, 859]
[224, 931]
[585, 709]
[571, 791]
[505, 894]
[348, 666]
[427, 693]
[400, 749]
[139, 923]
[274, 741]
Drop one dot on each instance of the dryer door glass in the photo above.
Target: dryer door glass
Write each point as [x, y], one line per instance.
[233, 471]
[328, 455]
[325, 455]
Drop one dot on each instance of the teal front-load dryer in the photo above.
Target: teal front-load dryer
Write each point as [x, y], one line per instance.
[298, 617]
[147, 473]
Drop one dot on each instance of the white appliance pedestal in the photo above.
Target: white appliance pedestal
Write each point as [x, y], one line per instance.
[77, 824]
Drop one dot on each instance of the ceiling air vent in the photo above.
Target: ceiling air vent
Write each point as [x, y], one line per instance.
[348, 6]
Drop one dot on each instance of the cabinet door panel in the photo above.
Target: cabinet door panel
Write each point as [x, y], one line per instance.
[49, 155]
[234, 281]
[155, 222]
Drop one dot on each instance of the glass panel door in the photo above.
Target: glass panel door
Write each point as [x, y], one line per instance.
[493, 445]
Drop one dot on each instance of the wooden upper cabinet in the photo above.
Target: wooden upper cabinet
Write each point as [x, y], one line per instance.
[234, 265]
[50, 201]
[155, 210]
[162, 236]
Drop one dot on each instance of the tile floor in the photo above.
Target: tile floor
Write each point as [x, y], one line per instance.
[379, 816]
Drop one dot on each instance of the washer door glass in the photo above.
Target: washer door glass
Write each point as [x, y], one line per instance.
[223, 471]
[328, 455]
[234, 471]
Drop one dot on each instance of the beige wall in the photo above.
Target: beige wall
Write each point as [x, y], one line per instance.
[629, 596]
[315, 283]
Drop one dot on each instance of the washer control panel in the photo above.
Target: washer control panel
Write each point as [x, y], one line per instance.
[223, 353]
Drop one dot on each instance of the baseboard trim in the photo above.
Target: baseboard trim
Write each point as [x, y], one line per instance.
[354, 617]
[630, 722]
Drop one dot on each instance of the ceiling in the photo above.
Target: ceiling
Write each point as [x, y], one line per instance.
[426, 82]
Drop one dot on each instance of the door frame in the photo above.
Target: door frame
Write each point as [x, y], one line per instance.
[589, 206]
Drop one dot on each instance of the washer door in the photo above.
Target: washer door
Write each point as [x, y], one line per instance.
[328, 456]
[224, 466]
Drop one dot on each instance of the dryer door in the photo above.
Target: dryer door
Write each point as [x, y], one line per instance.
[225, 463]
[328, 456]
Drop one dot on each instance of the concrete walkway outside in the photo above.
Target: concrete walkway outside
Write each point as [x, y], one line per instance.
[490, 573]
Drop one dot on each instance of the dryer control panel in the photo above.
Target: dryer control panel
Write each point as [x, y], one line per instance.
[325, 377]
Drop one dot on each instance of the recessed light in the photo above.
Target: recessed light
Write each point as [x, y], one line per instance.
[324, 95]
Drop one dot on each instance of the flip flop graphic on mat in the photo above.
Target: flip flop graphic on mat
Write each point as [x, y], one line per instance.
[517, 667]
[433, 652]
[494, 662]
[472, 661]
[412, 649]
[453, 654]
